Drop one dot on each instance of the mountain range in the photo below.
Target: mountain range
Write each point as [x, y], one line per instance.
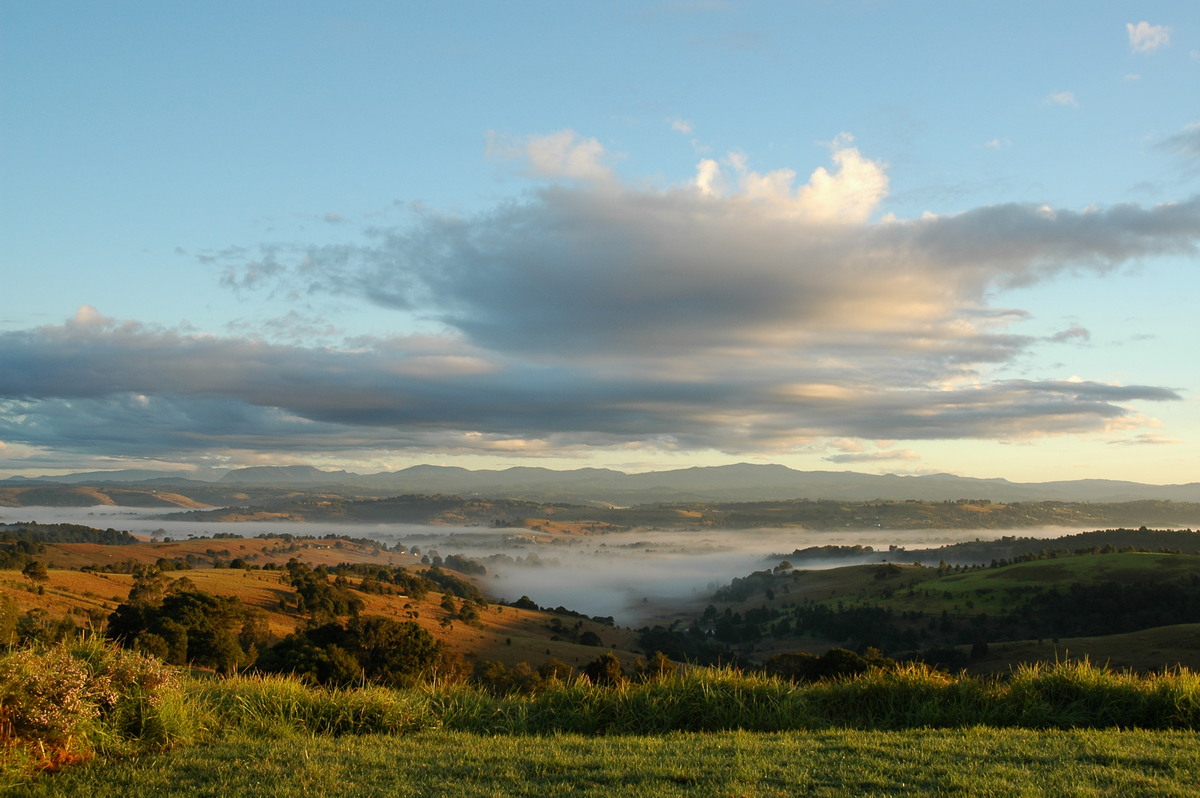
[728, 483]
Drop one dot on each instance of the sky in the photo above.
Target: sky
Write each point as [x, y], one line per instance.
[887, 237]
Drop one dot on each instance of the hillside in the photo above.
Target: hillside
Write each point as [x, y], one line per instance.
[1134, 609]
[1078, 593]
[86, 597]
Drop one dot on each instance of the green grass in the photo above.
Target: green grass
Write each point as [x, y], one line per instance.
[975, 762]
[986, 588]
[116, 723]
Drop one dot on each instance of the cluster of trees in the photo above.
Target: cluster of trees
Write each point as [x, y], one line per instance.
[65, 533]
[366, 648]
[316, 596]
[21, 542]
[182, 625]
[834, 663]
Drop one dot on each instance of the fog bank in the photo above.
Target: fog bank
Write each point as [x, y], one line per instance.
[630, 576]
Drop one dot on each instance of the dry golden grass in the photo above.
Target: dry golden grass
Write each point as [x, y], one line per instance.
[66, 592]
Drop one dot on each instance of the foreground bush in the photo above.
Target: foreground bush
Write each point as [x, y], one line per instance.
[68, 702]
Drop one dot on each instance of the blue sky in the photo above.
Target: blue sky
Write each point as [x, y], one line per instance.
[902, 237]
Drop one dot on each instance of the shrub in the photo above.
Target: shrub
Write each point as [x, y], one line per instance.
[64, 703]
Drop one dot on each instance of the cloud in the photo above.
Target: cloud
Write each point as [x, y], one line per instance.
[1146, 38]
[1147, 439]
[740, 312]
[848, 194]
[1079, 334]
[889, 455]
[573, 271]
[682, 126]
[1066, 98]
[560, 154]
[1184, 145]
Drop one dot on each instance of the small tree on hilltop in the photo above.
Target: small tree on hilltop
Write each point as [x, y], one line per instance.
[36, 571]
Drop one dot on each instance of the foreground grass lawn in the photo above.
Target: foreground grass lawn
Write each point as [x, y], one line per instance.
[976, 761]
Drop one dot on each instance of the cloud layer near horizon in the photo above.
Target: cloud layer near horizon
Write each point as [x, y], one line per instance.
[739, 313]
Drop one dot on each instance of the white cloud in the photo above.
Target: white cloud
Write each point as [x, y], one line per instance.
[1146, 38]
[1066, 98]
[682, 126]
[848, 194]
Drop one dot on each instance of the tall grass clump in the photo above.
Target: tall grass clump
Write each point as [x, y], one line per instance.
[699, 700]
[64, 703]
[1175, 698]
[1079, 694]
[283, 705]
[908, 696]
[721, 699]
[1063, 695]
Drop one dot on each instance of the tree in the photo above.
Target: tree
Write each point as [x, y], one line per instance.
[525, 603]
[555, 670]
[36, 571]
[605, 670]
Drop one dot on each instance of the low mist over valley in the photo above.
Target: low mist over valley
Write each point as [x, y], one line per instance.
[635, 563]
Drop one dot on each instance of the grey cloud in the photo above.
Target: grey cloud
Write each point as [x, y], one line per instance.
[599, 317]
[125, 389]
[1072, 334]
[588, 272]
[872, 457]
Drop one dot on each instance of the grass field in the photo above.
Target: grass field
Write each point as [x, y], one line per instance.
[968, 762]
[112, 722]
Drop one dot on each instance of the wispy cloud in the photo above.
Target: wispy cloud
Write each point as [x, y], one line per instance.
[1146, 38]
[1064, 98]
[1184, 145]
[1078, 334]
[1148, 439]
[884, 456]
